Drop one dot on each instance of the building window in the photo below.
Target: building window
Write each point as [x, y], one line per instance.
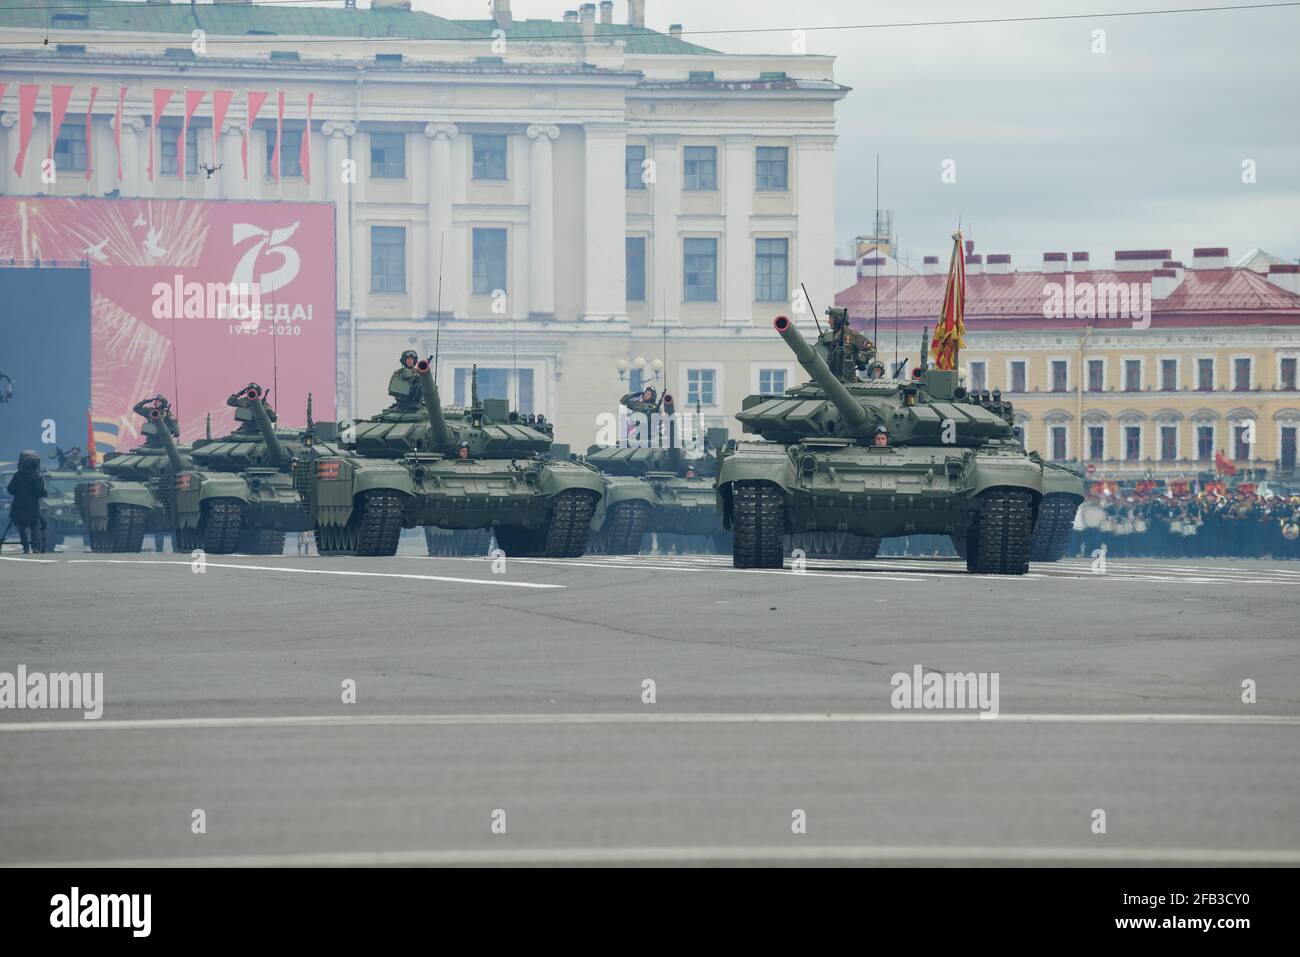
[1017, 383]
[636, 380]
[1096, 375]
[1132, 375]
[772, 169]
[1059, 375]
[290, 154]
[1168, 443]
[979, 376]
[700, 168]
[1204, 443]
[1287, 456]
[700, 384]
[1205, 375]
[633, 167]
[1240, 447]
[771, 381]
[1288, 370]
[387, 259]
[635, 255]
[1132, 443]
[1241, 374]
[169, 137]
[496, 384]
[1058, 442]
[700, 269]
[489, 261]
[489, 156]
[1096, 442]
[1169, 375]
[771, 269]
[70, 149]
[388, 155]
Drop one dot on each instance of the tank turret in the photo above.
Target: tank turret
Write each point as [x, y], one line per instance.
[440, 435]
[158, 423]
[854, 414]
[254, 400]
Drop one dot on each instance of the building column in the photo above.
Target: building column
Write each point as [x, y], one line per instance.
[8, 151]
[439, 215]
[605, 223]
[232, 164]
[738, 245]
[666, 274]
[135, 153]
[541, 223]
[814, 252]
[336, 153]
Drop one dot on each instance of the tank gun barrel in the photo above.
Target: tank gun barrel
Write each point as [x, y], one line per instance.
[169, 444]
[256, 400]
[816, 367]
[442, 436]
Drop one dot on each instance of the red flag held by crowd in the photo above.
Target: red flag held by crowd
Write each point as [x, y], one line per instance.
[950, 331]
[1222, 465]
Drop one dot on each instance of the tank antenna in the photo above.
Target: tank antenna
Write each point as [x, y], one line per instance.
[811, 306]
[875, 286]
[208, 428]
[437, 320]
[895, 305]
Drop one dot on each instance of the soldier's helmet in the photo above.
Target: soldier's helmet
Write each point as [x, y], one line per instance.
[28, 461]
[650, 391]
[410, 354]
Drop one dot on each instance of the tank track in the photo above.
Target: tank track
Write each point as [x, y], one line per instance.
[375, 528]
[1055, 523]
[565, 533]
[998, 543]
[758, 526]
[219, 533]
[126, 528]
[627, 523]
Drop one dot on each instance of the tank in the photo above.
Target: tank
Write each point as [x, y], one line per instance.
[660, 491]
[880, 458]
[481, 467]
[242, 494]
[137, 496]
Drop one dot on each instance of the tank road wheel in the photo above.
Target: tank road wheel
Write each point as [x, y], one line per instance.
[757, 526]
[565, 533]
[125, 528]
[1055, 523]
[999, 544]
[625, 527]
[218, 531]
[859, 547]
[378, 524]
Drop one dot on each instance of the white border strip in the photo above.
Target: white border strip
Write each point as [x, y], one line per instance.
[314, 571]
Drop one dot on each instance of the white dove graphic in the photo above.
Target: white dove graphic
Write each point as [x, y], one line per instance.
[151, 246]
[96, 252]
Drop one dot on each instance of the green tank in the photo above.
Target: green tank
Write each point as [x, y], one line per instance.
[657, 490]
[137, 496]
[881, 458]
[242, 494]
[480, 467]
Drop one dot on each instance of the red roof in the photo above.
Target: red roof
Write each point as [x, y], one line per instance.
[1015, 300]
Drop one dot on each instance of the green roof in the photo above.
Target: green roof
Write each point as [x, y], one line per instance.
[239, 19]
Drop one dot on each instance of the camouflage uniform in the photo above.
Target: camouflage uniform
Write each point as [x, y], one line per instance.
[845, 349]
[404, 387]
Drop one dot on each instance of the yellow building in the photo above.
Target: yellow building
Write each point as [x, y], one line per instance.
[1150, 366]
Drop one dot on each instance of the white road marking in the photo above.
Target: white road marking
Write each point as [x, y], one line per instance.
[639, 718]
[706, 854]
[29, 559]
[317, 571]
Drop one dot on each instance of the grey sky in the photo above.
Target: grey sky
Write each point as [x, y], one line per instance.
[1056, 147]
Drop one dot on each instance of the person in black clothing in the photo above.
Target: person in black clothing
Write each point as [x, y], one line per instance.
[28, 488]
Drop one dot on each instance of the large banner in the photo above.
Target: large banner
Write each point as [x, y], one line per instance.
[192, 299]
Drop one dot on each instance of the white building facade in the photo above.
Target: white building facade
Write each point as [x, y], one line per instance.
[540, 198]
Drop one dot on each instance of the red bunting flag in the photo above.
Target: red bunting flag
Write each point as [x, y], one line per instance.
[950, 331]
[60, 94]
[92, 454]
[2, 90]
[220, 103]
[117, 129]
[255, 101]
[279, 133]
[304, 152]
[192, 100]
[27, 94]
[160, 100]
[90, 134]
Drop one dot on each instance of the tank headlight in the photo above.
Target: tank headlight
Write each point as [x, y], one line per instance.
[808, 463]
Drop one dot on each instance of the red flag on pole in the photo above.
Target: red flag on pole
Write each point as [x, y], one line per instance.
[90, 134]
[950, 331]
[220, 103]
[255, 101]
[1222, 465]
[117, 129]
[160, 100]
[304, 152]
[27, 94]
[60, 94]
[192, 100]
[279, 133]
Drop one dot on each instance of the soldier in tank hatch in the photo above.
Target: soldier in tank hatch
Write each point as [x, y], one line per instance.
[404, 385]
[846, 350]
[646, 401]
